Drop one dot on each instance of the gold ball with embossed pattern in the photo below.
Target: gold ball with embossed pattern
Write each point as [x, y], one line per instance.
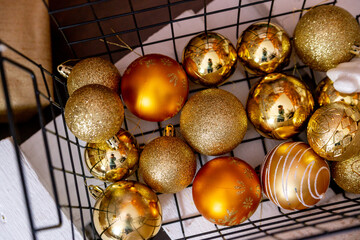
[226, 191]
[154, 87]
[333, 131]
[294, 177]
[346, 174]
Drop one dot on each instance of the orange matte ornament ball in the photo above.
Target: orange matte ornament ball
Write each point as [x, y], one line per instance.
[154, 87]
[226, 191]
[294, 177]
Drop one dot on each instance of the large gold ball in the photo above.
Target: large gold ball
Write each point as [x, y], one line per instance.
[294, 177]
[127, 210]
[226, 191]
[279, 105]
[209, 59]
[213, 122]
[113, 164]
[154, 87]
[264, 48]
[94, 113]
[324, 36]
[167, 164]
[346, 174]
[333, 131]
[93, 70]
[326, 94]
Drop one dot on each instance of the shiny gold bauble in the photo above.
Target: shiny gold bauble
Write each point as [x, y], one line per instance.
[294, 177]
[154, 87]
[209, 59]
[324, 37]
[93, 70]
[167, 164]
[226, 191]
[94, 113]
[326, 93]
[213, 122]
[346, 174]
[264, 48]
[333, 131]
[126, 210]
[279, 105]
[113, 163]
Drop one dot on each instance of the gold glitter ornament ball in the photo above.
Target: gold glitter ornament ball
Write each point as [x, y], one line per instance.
[126, 210]
[333, 131]
[209, 59]
[279, 105]
[294, 177]
[93, 71]
[264, 48]
[324, 37]
[94, 113]
[346, 174]
[213, 122]
[167, 164]
[113, 163]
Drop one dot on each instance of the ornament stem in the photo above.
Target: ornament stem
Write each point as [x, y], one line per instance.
[169, 130]
[96, 191]
[65, 68]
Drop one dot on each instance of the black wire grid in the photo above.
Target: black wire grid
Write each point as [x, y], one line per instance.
[74, 174]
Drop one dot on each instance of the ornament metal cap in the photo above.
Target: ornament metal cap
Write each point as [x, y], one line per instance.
[65, 68]
[169, 131]
[96, 191]
[113, 142]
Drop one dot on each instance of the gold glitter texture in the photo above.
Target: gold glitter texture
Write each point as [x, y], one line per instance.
[347, 174]
[324, 36]
[213, 122]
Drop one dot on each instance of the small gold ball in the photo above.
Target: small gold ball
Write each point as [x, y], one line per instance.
[209, 59]
[346, 174]
[333, 131]
[93, 70]
[213, 122]
[94, 113]
[324, 36]
[167, 164]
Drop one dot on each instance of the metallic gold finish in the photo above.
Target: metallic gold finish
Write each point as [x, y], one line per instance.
[154, 87]
[294, 177]
[93, 70]
[209, 59]
[167, 164]
[65, 68]
[127, 210]
[213, 122]
[324, 37]
[264, 48]
[94, 113]
[326, 94]
[346, 174]
[226, 191]
[279, 105]
[333, 131]
[113, 164]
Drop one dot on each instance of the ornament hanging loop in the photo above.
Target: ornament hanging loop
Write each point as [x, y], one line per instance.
[169, 131]
[65, 68]
[96, 191]
[355, 49]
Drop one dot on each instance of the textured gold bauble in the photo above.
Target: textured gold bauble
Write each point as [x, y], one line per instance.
[167, 164]
[346, 174]
[126, 210]
[209, 59]
[94, 113]
[226, 191]
[333, 131]
[93, 70]
[113, 164]
[294, 177]
[154, 87]
[326, 93]
[279, 105]
[324, 37]
[264, 48]
[213, 122]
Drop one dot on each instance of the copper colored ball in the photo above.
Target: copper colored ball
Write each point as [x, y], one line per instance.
[346, 174]
[154, 87]
[213, 122]
[93, 70]
[294, 177]
[226, 191]
[94, 113]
